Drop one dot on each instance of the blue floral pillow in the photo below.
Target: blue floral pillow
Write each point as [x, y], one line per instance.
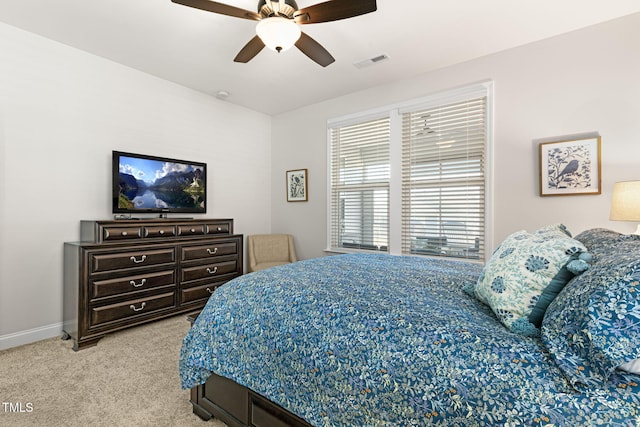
[593, 326]
[525, 273]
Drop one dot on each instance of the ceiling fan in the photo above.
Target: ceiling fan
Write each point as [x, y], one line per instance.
[278, 23]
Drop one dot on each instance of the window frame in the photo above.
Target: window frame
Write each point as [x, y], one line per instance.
[395, 197]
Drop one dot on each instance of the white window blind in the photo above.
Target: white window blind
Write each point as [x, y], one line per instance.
[443, 180]
[359, 190]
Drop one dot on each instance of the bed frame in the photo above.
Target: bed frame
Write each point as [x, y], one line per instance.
[238, 406]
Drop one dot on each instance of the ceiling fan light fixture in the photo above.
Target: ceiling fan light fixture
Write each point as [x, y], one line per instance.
[277, 33]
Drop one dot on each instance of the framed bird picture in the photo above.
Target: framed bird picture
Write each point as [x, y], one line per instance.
[571, 167]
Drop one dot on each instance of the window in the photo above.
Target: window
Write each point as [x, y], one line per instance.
[411, 178]
[360, 185]
[443, 180]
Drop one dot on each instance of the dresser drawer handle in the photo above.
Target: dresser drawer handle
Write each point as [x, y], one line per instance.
[211, 290]
[193, 230]
[133, 307]
[142, 259]
[124, 233]
[161, 231]
[137, 285]
[210, 271]
[212, 252]
[219, 228]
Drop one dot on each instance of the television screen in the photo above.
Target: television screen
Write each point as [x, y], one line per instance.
[143, 183]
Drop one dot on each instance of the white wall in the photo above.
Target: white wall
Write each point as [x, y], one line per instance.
[62, 112]
[581, 82]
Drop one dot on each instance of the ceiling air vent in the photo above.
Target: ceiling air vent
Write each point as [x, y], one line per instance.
[372, 61]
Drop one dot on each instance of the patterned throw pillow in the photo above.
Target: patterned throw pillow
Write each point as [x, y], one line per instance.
[525, 273]
[593, 327]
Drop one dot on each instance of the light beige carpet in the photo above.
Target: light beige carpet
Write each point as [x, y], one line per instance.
[129, 379]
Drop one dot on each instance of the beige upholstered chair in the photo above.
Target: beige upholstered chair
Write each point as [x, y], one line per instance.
[269, 250]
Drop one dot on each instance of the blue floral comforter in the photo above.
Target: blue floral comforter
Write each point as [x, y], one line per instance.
[381, 340]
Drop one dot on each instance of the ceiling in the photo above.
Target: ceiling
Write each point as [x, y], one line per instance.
[195, 48]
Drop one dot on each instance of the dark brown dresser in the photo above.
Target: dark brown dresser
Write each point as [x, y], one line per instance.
[127, 272]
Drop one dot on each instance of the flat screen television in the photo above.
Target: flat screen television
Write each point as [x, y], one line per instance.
[151, 184]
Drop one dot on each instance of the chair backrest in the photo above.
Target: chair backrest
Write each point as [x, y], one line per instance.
[270, 248]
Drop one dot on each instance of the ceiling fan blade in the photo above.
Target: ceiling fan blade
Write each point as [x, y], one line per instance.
[223, 9]
[314, 50]
[249, 50]
[334, 10]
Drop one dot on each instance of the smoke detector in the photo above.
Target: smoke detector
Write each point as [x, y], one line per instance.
[222, 94]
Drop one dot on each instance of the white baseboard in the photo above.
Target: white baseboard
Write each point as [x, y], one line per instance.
[32, 335]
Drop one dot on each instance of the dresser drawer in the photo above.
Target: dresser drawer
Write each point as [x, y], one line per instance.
[133, 308]
[123, 285]
[121, 233]
[218, 228]
[199, 293]
[191, 230]
[141, 258]
[160, 231]
[214, 249]
[209, 271]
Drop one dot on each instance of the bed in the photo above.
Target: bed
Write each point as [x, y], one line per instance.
[382, 340]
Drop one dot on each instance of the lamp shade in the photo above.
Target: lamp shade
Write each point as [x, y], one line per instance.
[278, 33]
[625, 205]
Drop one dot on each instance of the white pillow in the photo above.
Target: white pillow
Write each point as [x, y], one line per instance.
[632, 367]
